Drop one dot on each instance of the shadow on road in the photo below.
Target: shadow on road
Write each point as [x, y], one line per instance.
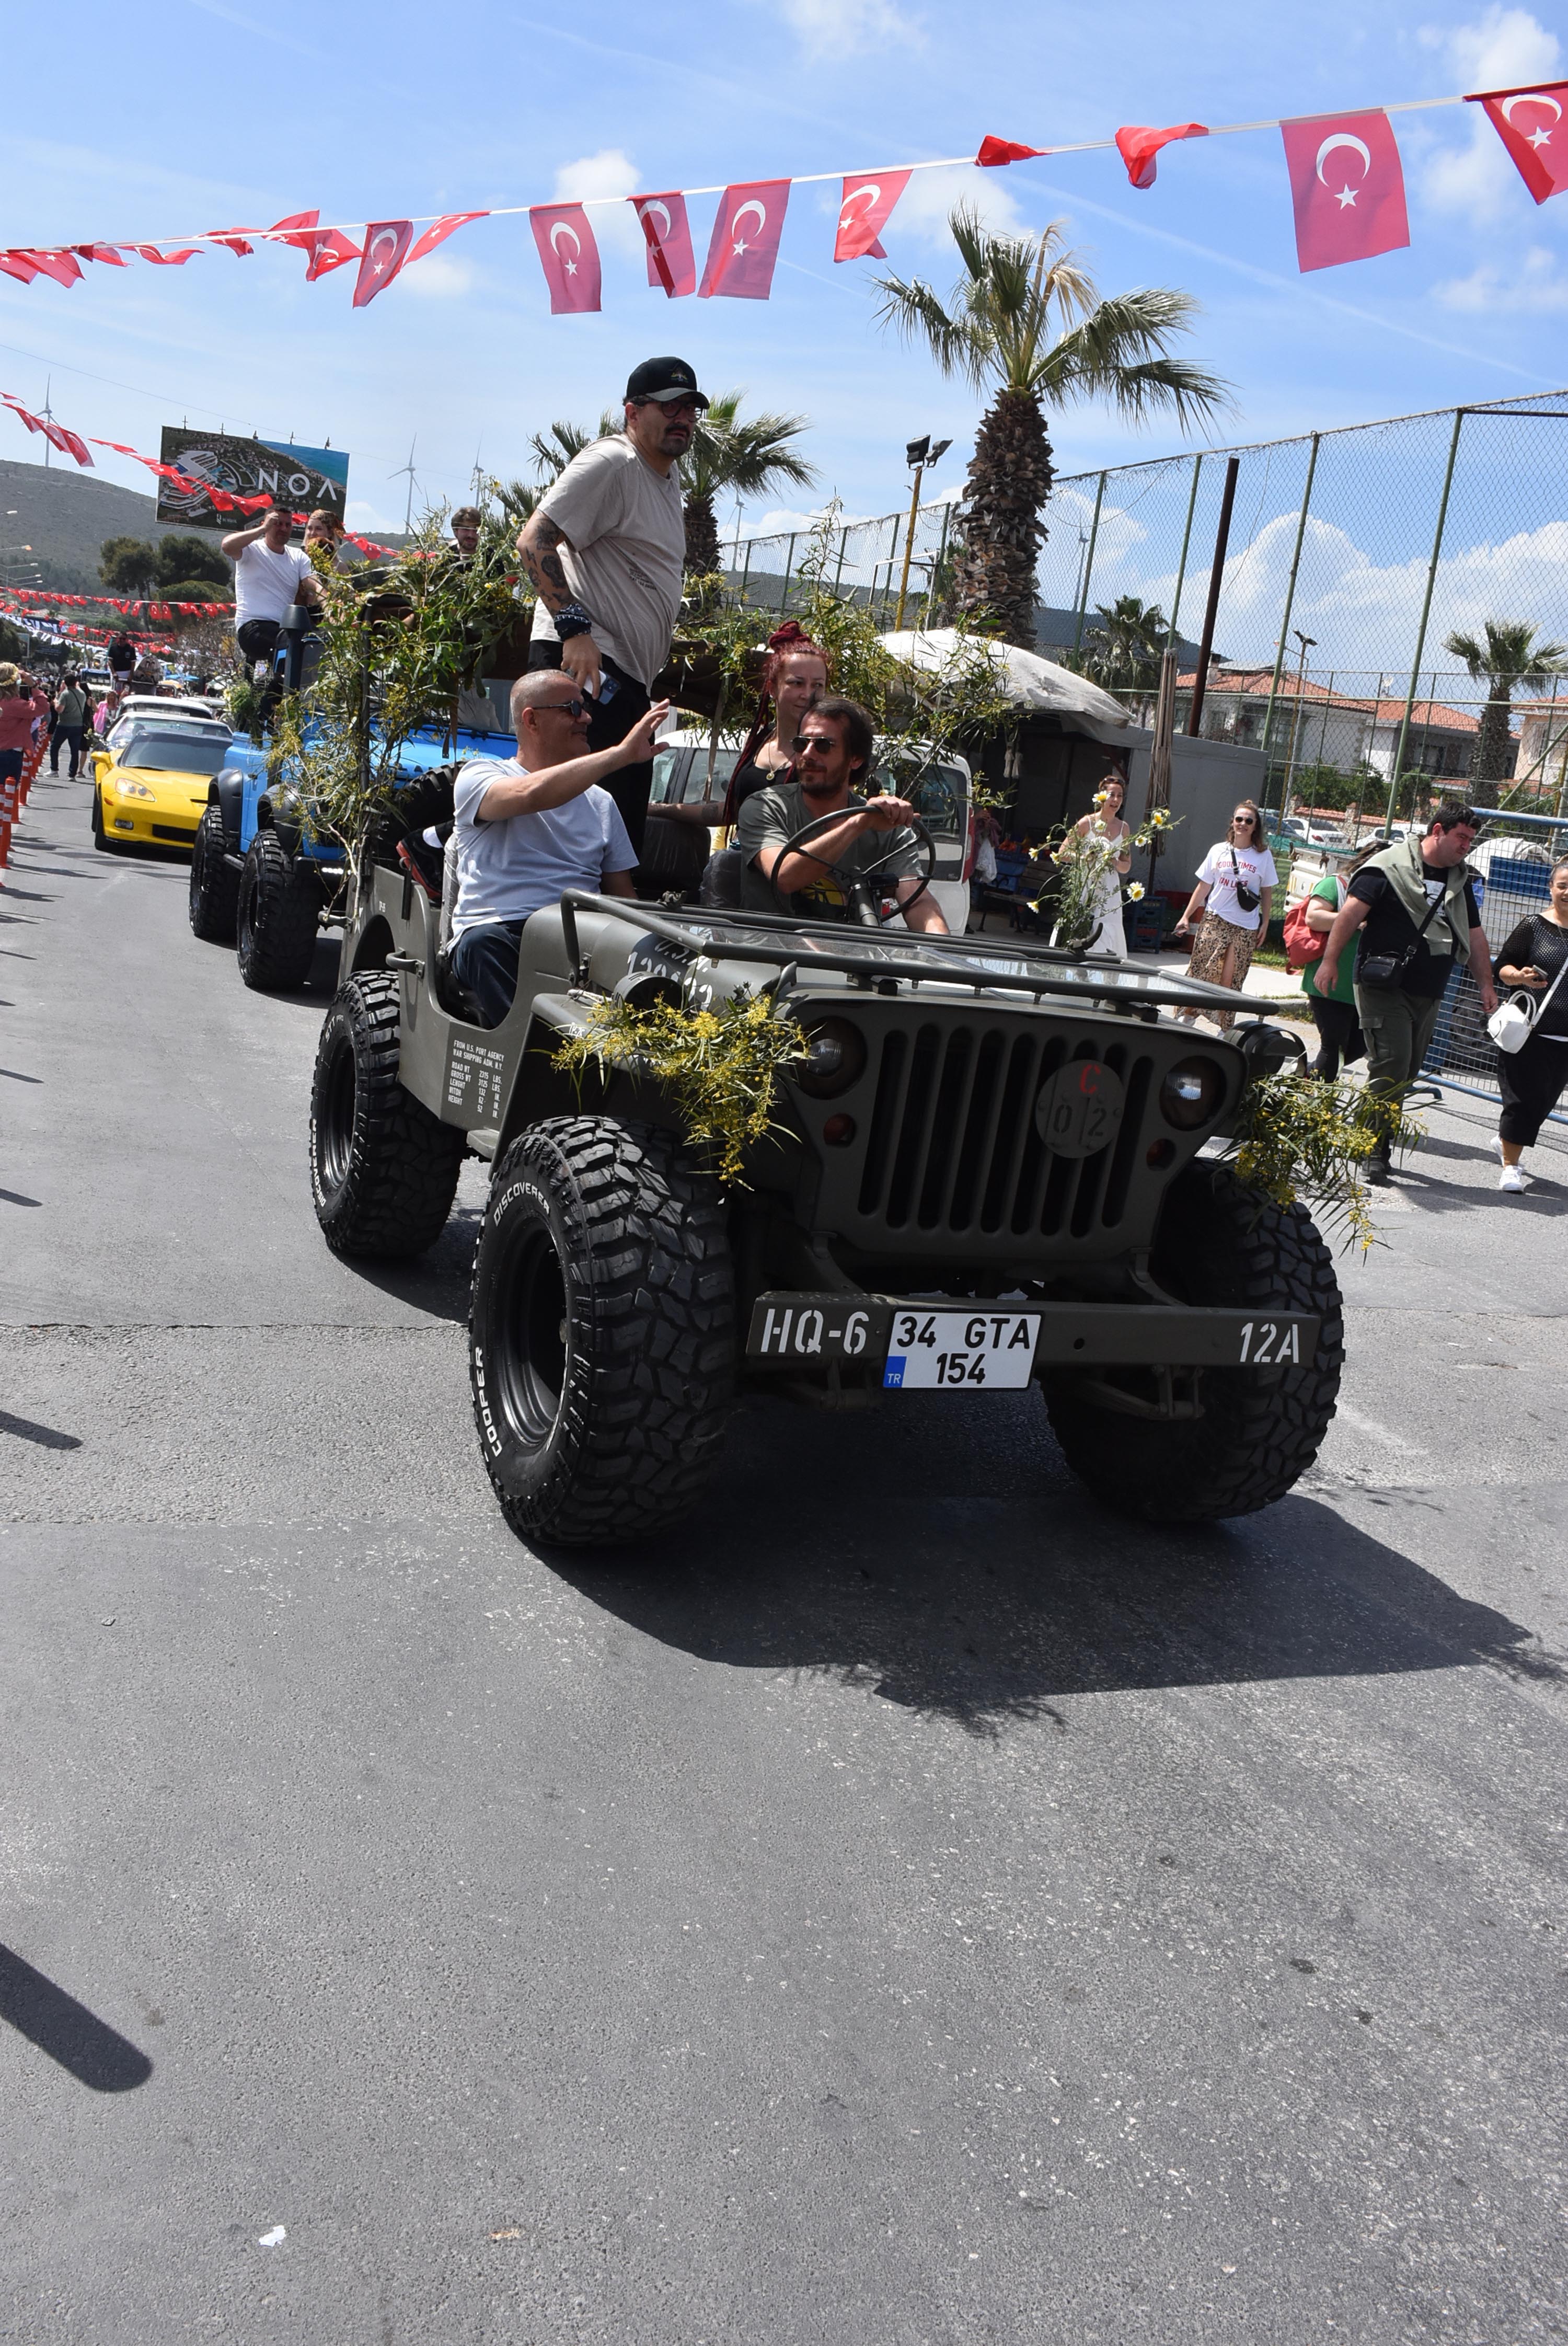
[95, 2055]
[841, 1545]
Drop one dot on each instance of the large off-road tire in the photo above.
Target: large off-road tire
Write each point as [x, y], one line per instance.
[601, 1330]
[275, 916]
[383, 1171]
[1261, 1428]
[214, 884]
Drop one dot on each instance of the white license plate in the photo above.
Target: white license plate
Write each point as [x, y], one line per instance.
[971, 1349]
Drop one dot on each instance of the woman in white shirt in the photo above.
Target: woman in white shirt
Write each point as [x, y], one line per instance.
[1236, 884]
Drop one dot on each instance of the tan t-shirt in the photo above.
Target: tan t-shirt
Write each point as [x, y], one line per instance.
[626, 530]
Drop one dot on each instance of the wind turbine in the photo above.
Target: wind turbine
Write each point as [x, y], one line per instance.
[397, 475]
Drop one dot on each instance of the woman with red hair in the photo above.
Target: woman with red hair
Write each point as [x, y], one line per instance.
[796, 673]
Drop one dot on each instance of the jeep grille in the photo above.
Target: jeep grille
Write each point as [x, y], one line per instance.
[953, 1145]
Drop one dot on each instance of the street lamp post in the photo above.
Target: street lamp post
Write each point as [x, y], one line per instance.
[921, 455]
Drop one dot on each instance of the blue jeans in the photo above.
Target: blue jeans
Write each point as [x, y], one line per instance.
[484, 961]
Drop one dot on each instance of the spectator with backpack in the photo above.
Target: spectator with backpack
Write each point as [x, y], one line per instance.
[1340, 1042]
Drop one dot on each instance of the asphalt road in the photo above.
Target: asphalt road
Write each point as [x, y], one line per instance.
[909, 1906]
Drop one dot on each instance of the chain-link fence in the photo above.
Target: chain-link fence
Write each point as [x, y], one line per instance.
[1353, 555]
[1513, 870]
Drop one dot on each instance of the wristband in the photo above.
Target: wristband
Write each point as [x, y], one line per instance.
[571, 620]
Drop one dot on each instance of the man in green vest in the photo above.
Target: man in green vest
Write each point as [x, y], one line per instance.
[1414, 907]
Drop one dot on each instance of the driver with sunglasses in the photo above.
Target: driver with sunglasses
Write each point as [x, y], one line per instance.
[605, 549]
[530, 826]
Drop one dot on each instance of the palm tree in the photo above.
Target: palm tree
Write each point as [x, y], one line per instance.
[997, 332]
[1122, 651]
[734, 455]
[554, 449]
[1507, 655]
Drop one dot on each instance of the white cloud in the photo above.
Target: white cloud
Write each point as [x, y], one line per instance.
[923, 210]
[1502, 49]
[610, 172]
[836, 27]
[1533, 288]
[438, 278]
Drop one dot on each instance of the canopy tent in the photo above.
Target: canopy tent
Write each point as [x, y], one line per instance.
[1035, 684]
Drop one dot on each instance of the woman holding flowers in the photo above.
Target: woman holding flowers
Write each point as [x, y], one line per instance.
[1092, 841]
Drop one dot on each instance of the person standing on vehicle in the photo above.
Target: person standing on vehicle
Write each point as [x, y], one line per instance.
[834, 749]
[120, 659]
[465, 527]
[797, 673]
[1415, 910]
[531, 826]
[1532, 1078]
[71, 713]
[269, 575]
[1234, 887]
[606, 551]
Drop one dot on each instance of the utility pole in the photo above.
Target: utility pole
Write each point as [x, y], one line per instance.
[922, 456]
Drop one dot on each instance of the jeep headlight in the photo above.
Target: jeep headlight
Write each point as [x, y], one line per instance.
[1191, 1093]
[835, 1058]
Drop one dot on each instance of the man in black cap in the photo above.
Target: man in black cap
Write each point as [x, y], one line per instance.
[605, 549]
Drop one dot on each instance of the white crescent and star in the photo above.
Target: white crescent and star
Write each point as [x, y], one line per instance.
[561, 228]
[387, 238]
[663, 211]
[868, 188]
[1541, 136]
[1347, 195]
[761, 212]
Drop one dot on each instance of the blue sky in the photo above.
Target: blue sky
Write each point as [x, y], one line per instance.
[197, 113]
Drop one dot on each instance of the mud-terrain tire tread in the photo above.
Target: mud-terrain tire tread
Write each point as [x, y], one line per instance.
[403, 1163]
[214, 884]
[651, 1305]
[276, 917]
[1262, 1428]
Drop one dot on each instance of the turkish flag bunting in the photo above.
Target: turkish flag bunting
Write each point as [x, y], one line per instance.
[117, 445]
[292, 228]
[166, 259]
[1347, 186]
[16, 264]
[63, 267]
[863, 214]
[568, 256]
[71, 444]
[233, 238]
[1532, 125]
[102, 253]
[994, 152]
[1138, 147]
[330, 249]
[745, 242]
[671, 262]
[386, 249]
[439, 230]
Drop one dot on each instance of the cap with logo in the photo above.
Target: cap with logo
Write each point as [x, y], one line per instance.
[664, 380]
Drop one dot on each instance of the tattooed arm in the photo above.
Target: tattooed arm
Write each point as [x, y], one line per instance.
[536, 544]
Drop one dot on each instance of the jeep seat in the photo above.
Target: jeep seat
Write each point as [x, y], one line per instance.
[450, 992]
[719, 889]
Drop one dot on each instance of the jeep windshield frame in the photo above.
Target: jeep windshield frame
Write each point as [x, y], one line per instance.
[715, 935]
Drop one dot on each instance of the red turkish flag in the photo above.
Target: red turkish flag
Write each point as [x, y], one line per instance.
[863, 214]
[671, 262]
[330, 249]
[438, 232]
[386, 249]
[166, 260]
[1138, 147]
[1531, 125]
[745, 242]
[1347, 186]
[293, 229]
[17, 265]
[569, 257]
[994, 152]
[106, 253]
[233, 238]
[61, 266]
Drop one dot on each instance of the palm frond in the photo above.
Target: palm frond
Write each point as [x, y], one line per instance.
[915, 313]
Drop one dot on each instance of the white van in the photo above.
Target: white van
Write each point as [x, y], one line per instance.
[940, 788]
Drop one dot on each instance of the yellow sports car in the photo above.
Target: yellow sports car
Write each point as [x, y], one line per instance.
[149, 790]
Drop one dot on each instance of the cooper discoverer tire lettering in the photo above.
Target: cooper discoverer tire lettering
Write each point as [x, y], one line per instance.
[275, 916]
[1261, 1428]
[214, 885]
[383, 1169]
[601, 1330]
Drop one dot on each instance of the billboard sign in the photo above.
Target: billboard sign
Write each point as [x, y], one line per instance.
[300, 478]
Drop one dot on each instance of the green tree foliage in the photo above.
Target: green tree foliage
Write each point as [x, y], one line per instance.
[1507, 655]
[1122, 651]
[128, 566]
[195, 590]
[554, 449]
[182, 555]
[1026, 323]
[733, 454]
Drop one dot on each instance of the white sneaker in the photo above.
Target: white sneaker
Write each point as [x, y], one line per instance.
[1497, 1147]
[1512, 1179]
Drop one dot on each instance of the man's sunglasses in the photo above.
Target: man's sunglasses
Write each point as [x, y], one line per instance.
[674, 407]
[823, 743]
[572, 708]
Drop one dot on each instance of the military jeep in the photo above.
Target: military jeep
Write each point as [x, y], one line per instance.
[986, 1171]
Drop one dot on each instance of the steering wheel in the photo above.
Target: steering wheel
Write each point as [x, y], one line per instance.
[857, 895]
